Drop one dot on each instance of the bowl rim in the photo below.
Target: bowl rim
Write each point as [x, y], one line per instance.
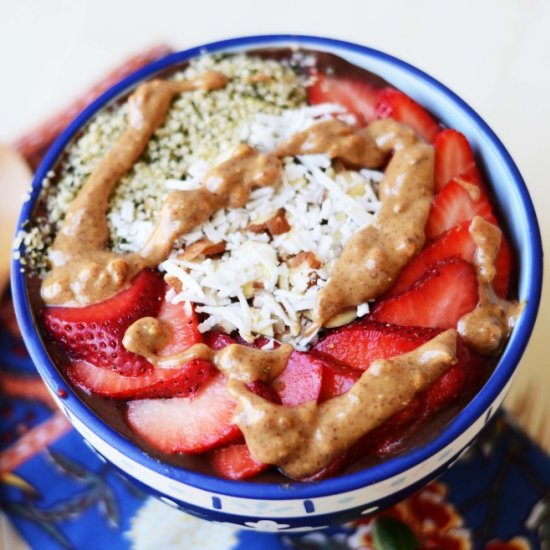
[294, 490]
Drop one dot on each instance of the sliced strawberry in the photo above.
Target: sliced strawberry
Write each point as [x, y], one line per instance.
[457, 242]
[395, 104]
[186, 425]
[503, 266]
[337, 379]
[356, 96]
[94, 333]
[460, 200]
[182, 323]
[301, 380]
[453, 157]
[439, 299]
[185, 381]
[359, 344]
[450, 385]
[236, 462]
[217, 340]
[265, 391]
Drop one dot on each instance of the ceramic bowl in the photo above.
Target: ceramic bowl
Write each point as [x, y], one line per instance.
[295, 506]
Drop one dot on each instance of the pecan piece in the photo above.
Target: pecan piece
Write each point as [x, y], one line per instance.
[308, 258]
[276, 225]
[203, 247]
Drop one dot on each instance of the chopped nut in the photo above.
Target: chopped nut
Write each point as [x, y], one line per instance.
[203, 247]
[312, 279]
[276, 225]
[309, 258]
[342, 318]
[173, 282]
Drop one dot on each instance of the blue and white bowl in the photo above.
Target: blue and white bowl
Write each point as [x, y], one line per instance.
[296, 506]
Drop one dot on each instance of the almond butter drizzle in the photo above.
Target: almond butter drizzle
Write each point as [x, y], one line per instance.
[337, 140]
[489, 324]
[301, 439]
[147, 337]
[375, 255]
[83, 271]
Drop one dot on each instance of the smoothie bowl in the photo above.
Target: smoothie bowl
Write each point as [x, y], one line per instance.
[279, 281]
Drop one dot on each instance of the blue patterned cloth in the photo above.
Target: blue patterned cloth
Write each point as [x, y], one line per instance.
[62, 496]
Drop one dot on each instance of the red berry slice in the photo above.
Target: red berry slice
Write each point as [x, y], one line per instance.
[217, 340]
[301, 380]
[236, 462]
[94, 333]
[439, 299]
[503, 267]
[182, 323]
[337, 379]
[359, 344]
[399, 106]
[157, 383]
[460, 200]
[186, 425]
[356, 96]
[457, 242]
[265, 391]
[453, 157]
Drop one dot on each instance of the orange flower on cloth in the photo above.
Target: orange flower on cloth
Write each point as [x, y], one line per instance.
[425, 521]
[517, 543]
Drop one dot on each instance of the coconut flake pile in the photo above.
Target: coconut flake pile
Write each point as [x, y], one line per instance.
[266, 285]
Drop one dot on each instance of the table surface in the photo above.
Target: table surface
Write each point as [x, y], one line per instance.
[494, 54]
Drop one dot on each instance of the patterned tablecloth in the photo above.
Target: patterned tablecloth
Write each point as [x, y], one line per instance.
[58, 494]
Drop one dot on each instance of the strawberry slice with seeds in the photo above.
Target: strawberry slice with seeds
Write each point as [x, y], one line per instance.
[186, 425]
[460, 200]
[181, 322]
[395, 104]
[453, 157]
[445, 293]
[457, 242]
[236, 462]
[357, 96]
[94, 333]
[359, 344]
[157, 383]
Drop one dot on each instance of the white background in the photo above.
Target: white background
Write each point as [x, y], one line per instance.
[493, 53]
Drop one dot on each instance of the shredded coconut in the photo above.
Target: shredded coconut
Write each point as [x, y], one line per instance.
[255, 286]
